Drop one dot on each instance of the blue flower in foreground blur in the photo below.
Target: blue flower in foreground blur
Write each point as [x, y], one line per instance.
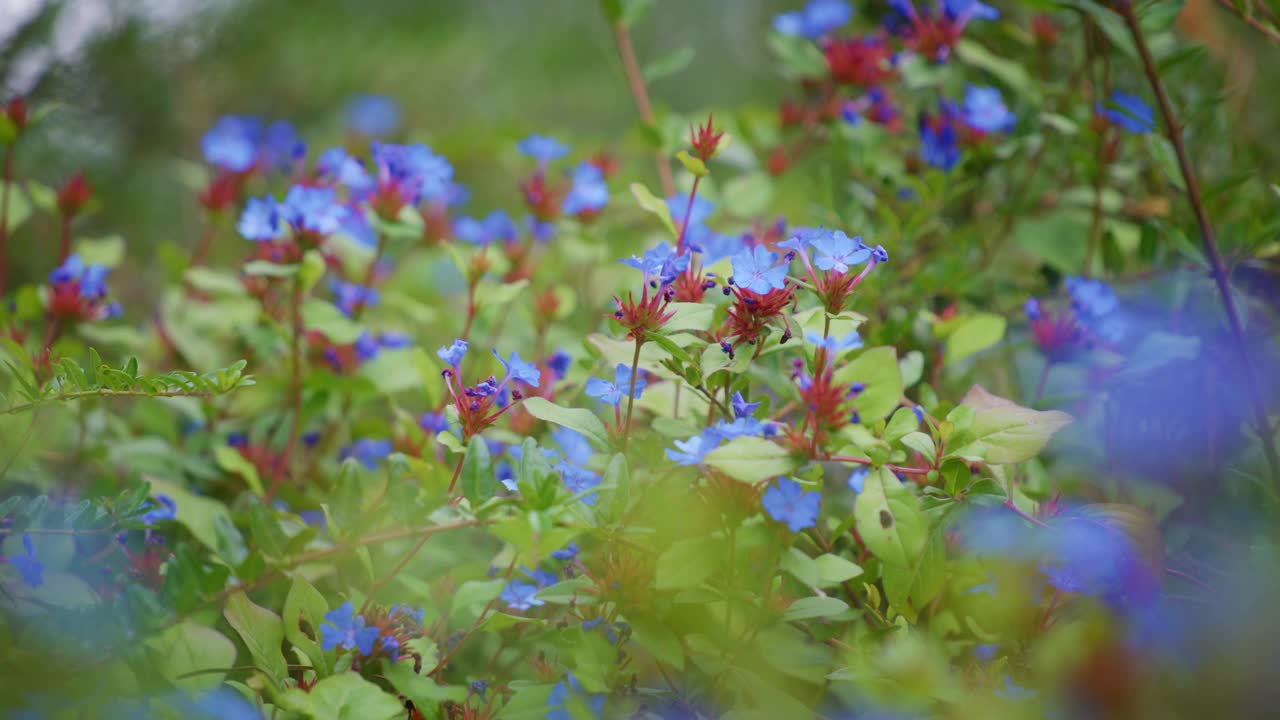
[613, 392]
[693, 450]
[757, 270]
[335, 165]
[678, 205]
[411, 172]
[938, 139]
[742, 427]
[29, 568]
[787, 502]
[349, 296]
[579, 480]
[984, 110]
[232, 142]
[566, 554]
[588, 193]
[1095, 306]
[542, 148]
[569, 700]
[342, 628]
[520, 596]
[433, 423]
[1129, 112]
[373, 115]
[742, 408]
[518, 369]
[453, 353]
[819, 18]
[837, 251]
[391, 647]
[281, 147]
[831, 344]
[167, 510]
[576, 448]
[858, 478]
[314, 210]
[367, 452]
[540, 577]
[260, 220]
[497, 226]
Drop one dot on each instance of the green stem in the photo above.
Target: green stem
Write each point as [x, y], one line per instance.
[631, 394]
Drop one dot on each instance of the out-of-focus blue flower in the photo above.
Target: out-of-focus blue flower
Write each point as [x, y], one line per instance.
[497, 226]
[837, 251]
[832, 344]
[433, 422]
[984, 652]
[787, 502]
[742, 408]
[699, 212]
[938, 138]
[349, 296]
[559, 363]
[366, 451]
[542, 148]
[520, 596]
[1013, 691]
[984, 110]
[281, 147]
[313, 210]
[579, 480]
[589, 191]
[577, 449]
[713, 246]
[168, 510]
[858, 478]
[1095, 306]
[335, 165]
[819, 18]
[373, 115]
[540, 230]
[1129, 112]
[412, 171]
[569, 699]
[758, 270]
[260, 220]
[343, 628]
[518, 369]
[453, 353]
[567, 553]
[612, 393]
[29, 567]
[693, 450]
[232, 142]
[742, 427]
[540, 577]
[391, 647]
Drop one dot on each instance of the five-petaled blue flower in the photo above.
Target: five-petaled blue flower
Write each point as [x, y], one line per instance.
[366, 451]
[660, 261]
[495, 227]
[452, 354]
[313, 210]
[1129, 113]
[613, 392]
[837, 251]
[343, 628]
[984, 110]
[232, 142]
[819, 18]
[29, 568]
[831, 344]
[542, 148]
[588, 193]
[758, 270]
[260, 220]
[788, 503]
[520, 596]
[518, 369]
[742, 408]
[693, 450]
[373, 115]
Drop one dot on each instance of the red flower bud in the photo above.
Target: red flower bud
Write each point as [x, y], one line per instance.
[221, 192]
[1044, 30]
[778, 161]
[73, 196]
[16, 111]
[705, 139]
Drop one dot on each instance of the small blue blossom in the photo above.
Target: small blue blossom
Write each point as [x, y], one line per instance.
[232, 142]
[588, 193]
[611, 393]
[713, 246]
[281, 147]
[837, 251]
[985, 652]
[373, 115]
[699, 212]
[1032, 309]
[314, 210]
[962, 11]
[831, 344]
[168, 510]
[518, 369]
[568, 698]
[29, 568]
[984, 110]
[497, 226]
[433, 423]
[742, 408]
[559, 363]
[540, 230]
[366, 451]
[349, 296]
[414, 172]
[337, 166]
[578, 480]
[1013, 691]
[260, 220]
[391, 647]
[757, 270]
[566, 554]
[787, 502]
[660, 261]
[938, 140]
[802, 238]
[693, 450]
[520, 596]
[819, 18]
[742, 427]
[453, 353]
[1129, 112]
[858, 478]
[540, 577]
[542, 148]
[343, 628]
[577, 449]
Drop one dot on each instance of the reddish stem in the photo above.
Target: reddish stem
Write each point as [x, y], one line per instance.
[688, 213]
[205, 245]
[64, 249]
[635, 81]
[868, 462]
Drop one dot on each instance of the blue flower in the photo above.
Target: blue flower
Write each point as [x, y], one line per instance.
[612, 393]
[559, 363]
[412, 171]
[337, 166]
[802, 238]
[984, 652]
[70, 270]
[660, 261]
[518, 369]
[819, 18]
[693, 450]
[742, 427]
[566, 554]
[858, 478]
[29, 568]
[701, 209]
[742, 408]
[837, 251]
[168, 510]
[588, 192]
[848, 342]
[540, 577]
[542, 148]
[281, 147]
[788, 503]
[938, 139]
[541, 231]
[373, 115]
[984, 110]
[1129, 113]
[1032, 308]
[579, 480]
[349, 296]
[260, 220]
[91, 279]
[520, 596]
[433, 423]
[452, 355]
[1091, 298]
[366, 451]
[714, 246]
[577, 449]
[342, 628]
[757, 270]
[414, 614]
[568, 699]
[495, 227]
[232, 142]
[313, 210]
[391, 647]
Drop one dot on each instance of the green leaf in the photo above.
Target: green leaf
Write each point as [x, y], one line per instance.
[748, 195]
[1004, 432]
[345, 696]
[889, 520]
[107, 251]
[266, 268]
[877, 369]
[313, 268]
[330, 321]
[694, 165]
[421, 689]
[751, 459]
[814, 607]
[904, 421]
[801, 566]
[652, 204]
[669, 64]
[970, 334]
[261, 631]
[230, 459]
[305, 604]
[658, 639]
[689, 316]
[687, 563]
[921, 443]
[478, 479]
[584, 421]
[189, 647]
[833, 570]
[1012, 74]
[920, 580]
[214, 282]
[800, 57]
[912, 367]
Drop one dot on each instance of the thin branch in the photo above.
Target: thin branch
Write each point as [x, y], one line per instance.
[1253, 22]
[635, 80]
[104, 392]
